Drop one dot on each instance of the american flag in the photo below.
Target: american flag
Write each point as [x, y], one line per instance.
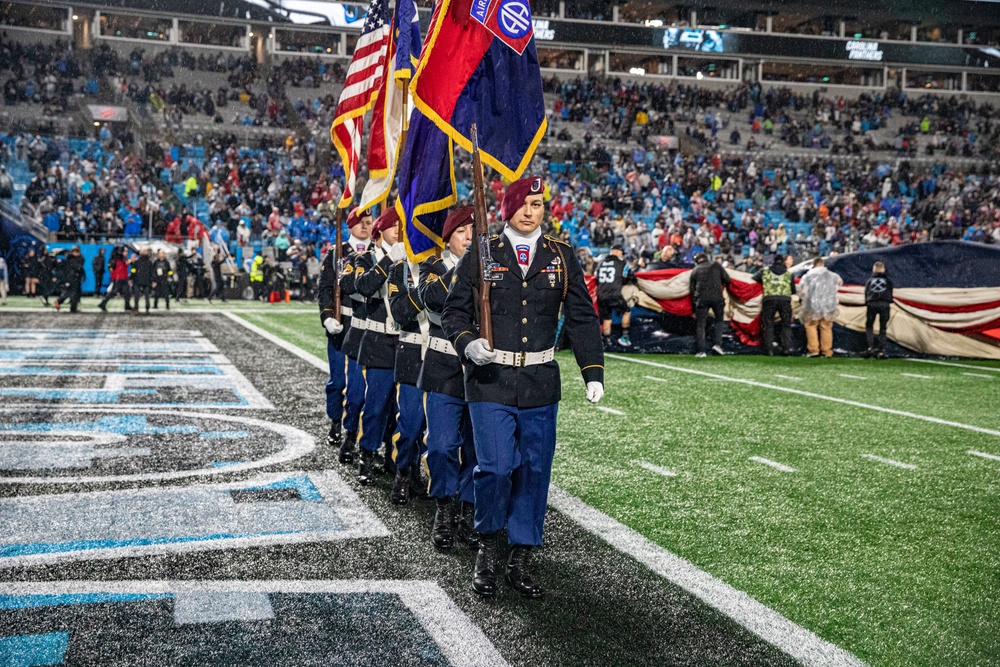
[364, 77]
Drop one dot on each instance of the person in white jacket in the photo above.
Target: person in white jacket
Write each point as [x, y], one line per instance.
[818, 292]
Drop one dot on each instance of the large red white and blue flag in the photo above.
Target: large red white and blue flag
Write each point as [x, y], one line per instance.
[364, 77]
[391, 110]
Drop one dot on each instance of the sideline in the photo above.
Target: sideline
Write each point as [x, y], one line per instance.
[769, 625]
[957, 365]
[844, 401]
[311, 359]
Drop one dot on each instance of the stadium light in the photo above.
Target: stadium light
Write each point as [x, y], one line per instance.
[699, 76]
[75, 17]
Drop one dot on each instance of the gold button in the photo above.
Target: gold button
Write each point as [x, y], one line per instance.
[524, 340]
[524, 303]
[524, 320]
[493, 284]
[524, 284]
[501, 245]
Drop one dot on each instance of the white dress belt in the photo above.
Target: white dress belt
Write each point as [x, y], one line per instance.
[411, 337]
[442, 345]
[359, 323]
[346, 310]
[521, 359]
[380, 327]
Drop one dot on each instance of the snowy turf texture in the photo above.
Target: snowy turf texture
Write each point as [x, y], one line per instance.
[602, 607]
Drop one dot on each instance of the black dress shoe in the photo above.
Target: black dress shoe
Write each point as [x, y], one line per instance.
[400, 488]
[418, 484]
[443, 532]
[484, 577]
[347, 449]
[519, 573]
[366, 469]
[335, 437]
[388, 465]
[465, 530]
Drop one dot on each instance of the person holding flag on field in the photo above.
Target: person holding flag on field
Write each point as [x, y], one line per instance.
[479, 69]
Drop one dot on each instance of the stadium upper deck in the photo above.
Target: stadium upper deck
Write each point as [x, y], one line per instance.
[847, 48]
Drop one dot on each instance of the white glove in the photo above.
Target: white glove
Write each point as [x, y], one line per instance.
[480, 353]
[595, 391]
[333, 326]
[397, 252]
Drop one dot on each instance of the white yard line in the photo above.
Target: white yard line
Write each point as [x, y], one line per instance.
[957, 365]
[753, 383]
[655, 468]
[787, 377]
[898, 464]
[979, 375]
[183, 310]
[774, 464]
[984, 455]
[769, 625]
[853, 377]
[311, 359]
[611, 411]
[914, 375]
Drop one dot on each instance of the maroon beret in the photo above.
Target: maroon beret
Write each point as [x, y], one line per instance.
[460, 217]
[354, 217]
[388, 219]
[517, 192]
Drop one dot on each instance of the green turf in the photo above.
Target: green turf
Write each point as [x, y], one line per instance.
[897, 566]
[192, 305]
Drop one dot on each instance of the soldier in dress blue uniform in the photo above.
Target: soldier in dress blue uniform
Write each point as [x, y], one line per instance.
[451, 455]
[346, 378]
[513, 389]
[408, 312]
[378, 345]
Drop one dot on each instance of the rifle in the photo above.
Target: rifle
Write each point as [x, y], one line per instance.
[481, 239]
[337, 259]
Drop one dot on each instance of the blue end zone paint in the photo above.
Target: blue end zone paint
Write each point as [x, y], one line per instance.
[78, 395]
[67, 599]
[173, 368]
[120, 425]
[226, 464]
[219, 435]
[89, 545]
[32, 650]
[307, 490]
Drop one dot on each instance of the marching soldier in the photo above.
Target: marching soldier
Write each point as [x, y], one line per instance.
[407, 311]
[343, 338]
[513, 388]
[162, 272]
[450, 457]
[377, 353]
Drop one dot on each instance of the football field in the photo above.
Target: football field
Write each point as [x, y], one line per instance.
[858, 498]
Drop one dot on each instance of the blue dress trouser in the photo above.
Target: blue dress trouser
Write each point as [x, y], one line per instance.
[380, 383]
[409, 425]
[451, 456]
[515, 449]
[346, 379]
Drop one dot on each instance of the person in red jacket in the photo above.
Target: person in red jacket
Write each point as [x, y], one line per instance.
[119, 268]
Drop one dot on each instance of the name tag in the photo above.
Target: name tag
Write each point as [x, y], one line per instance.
[497, 272]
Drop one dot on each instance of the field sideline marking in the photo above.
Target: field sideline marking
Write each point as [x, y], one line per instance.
[898, 464]
[311, 359]
[914, 375]
[853, 377]
[984, 455]
[787, 377]
[798, 642]
[774, 464]
[611, 411]
[754, 383]
[655, 468]
[978, 375]
[952, 363]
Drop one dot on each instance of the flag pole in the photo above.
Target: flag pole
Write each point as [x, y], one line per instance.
[402, 145]
[338, 257]
[481, 238]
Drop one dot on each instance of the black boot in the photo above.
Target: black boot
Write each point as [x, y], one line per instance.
[418, 483]
[335, 437]
[443, 533]
[484, 577]
[388, 465]
[366, 469]
[400, 488]
[347, 449]
[465, 530]
[519, 573]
